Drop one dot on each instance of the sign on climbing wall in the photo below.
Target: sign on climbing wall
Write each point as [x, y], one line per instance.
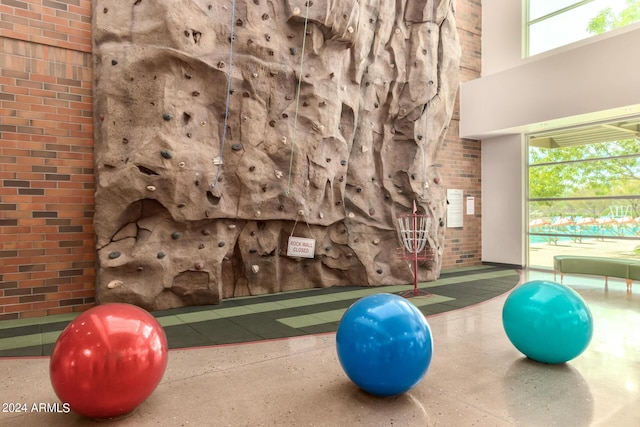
[301, 247]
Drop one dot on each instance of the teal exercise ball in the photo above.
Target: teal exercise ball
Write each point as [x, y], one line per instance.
[547, 321]
[384, 344]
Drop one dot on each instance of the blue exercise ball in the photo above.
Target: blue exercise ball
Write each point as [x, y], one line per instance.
[384, 344]
[547, 322]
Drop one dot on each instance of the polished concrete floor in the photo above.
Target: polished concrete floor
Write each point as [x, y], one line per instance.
[476, 378]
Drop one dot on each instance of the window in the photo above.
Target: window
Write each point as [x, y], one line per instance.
[553, 23]
[584, 192]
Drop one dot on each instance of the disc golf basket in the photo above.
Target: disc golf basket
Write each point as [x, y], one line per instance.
[414, 233]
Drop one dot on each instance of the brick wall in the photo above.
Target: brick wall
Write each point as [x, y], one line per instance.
[46, 158]
[460, 158]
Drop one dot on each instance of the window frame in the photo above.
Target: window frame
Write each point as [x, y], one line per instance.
[527, 23]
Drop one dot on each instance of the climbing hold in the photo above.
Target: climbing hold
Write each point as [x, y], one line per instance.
[239, 22]
[114, 284]
[272, 123]
[379, 271]
[236, 147]
[328, 248]
[189, 135]
[125, 141]
[441, 222]
[321, 215]
[372, 211]
[221, 64]
[376, 241]
[221, 244]
[181, 205]
[343, 162]
[351, 215]
[161, 255]
[279, 174]
[105, 10]
[167, 117]
[201, 246]
[255, 268]
[231, 226]
[182, 164]
[257, 214]
[114, 254]
[166, 154]
[195, 93]
[293, 50]
[176, 235]
[265, 16]
[252, 168]
[301, 212]
[283, 139]
[205, 232]
[114, 62]
[436, 180]
[267, 37]
[199, 265]
[151, 188]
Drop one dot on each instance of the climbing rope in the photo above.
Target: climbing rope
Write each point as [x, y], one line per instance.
[295, 118]
[226, 107]
[426, 114]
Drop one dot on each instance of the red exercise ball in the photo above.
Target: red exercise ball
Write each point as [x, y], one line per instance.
[108, 360]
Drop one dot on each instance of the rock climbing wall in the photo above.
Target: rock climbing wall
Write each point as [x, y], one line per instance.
[223, 130]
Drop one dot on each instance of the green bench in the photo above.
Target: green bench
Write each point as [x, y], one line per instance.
[627, 269]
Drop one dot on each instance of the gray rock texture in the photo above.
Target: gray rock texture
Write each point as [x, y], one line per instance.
[328, 128]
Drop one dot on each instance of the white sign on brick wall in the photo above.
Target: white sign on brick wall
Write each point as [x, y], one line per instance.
[454, 208]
